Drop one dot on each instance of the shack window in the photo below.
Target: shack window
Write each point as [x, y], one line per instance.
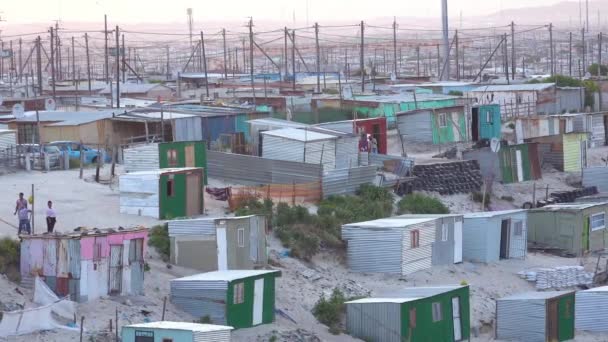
[444, 232]
[597, 221]
[241, 237]
[436, 312]
[489, 117]
[413, 318]
[167, 340]
[518, 228]
[443, 120]
[97, 251]
[136, 251]
[170, 189]
[172, 157]
[239, 293]
[415, 239]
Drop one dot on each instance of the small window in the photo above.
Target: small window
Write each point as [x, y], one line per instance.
[489, 117]
[437, 312]
[170, 189]
[239, 293]
[241, 237]
[518, 228]
[597, 222]
[167, 340]
[444, 232]
[136, 251]
[443, 121]
[172, 157]
[415, 239]
[97, 251]
[413, 318]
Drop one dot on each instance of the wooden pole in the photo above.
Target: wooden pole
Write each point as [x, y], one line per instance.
[570, 55]
[81, 327]
[117, 67]
[39, 65]
[513, 57]
[251, 69]
[293, 59]
[395, 47]
[317, 48]
[52, 64]
[551, 50]
[224, 44]
[33, 211]
[86, 42]
[164, 308]
[106, 57]
[362, 57]
[534, 195]
[116, 324]
[114, 152]
[81, 159]
[205, 64]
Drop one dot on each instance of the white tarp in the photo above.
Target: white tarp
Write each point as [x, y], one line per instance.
[43, 295]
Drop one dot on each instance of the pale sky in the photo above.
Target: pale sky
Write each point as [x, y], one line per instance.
[134, 11]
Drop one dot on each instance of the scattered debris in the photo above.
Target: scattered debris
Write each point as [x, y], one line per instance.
[558, 277]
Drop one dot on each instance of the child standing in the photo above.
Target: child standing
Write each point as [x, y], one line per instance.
[51, 217]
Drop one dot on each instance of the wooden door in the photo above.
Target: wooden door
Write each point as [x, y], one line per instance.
[189, 151]
[505, 233]
[115, 277]
[552, 321]
[456, 318]
[585, 237]
[193, 198]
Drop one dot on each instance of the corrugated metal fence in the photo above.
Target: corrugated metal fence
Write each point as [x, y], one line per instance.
[242, 168]
[596, 176]
[141, 158]
[347, 181]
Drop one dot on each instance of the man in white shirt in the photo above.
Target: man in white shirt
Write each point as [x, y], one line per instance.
[51, 217]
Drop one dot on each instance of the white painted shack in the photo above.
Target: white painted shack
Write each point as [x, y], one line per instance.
[591, 309]
[142, 157]
[257, 126]
[494, 235]
[391, 245]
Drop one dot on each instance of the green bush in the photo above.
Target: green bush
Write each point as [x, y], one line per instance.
[421, 204]
[593, 69]
[10, 255]
[507, 198]
[566, 81]
[331, 311]
[205, 320]
[455, 93]
[158, 237]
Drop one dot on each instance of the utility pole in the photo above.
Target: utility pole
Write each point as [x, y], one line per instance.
[418, 61]
[395, 47]
[20, 60]
[584, 50]
[39, 65]
[570, 54]
[293, 58]
[506, 57]
[53, 63]
[513, 57]
[73, 63]
[251, 58]
[168, 71]
[599, 55]
[446, 39]
[224, 44]
[318, 57]
[107, 68]
[86, 44]
[551, 49]
[457, 56]
[362, 57]
[117, 67]
[587, 14]
[205, 64]
[124, 61]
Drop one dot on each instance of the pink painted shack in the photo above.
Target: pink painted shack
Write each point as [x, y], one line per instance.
[86, 264]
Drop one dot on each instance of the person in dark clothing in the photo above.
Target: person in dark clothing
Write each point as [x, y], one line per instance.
[51, 217]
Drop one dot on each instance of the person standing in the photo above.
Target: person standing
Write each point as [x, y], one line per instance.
[24, 220]
[51, 217]
[373, 144]
[21, 203]
[363, 144]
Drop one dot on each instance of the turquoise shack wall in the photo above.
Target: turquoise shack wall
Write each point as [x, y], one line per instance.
[128, 334]
[489, 130]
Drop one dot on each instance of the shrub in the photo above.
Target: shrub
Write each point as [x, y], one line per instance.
[507, 198]
[331, 311]
[205, 320]
[421, 204]
[158, 237]
[10, 255]
[455, 93]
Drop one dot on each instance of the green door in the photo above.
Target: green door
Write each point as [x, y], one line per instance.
[585, 237]
[566, 318]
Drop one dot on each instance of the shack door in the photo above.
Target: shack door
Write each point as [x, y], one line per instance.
[189, 155]
[475, 124]
[505, 232]
[456, 318]
[585, 237]
[605, 129]
[222, 248]
[115, 277]
[258, 301]
[193, 189]
[552, 321]
[376, 134]
[458, 241]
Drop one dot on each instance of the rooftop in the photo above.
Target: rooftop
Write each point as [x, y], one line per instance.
[158, 172]
[382, 300]
[392, 222]
[536, 295]
[514, 87]
[67, 118]
[570, 206]
[409, 294]
[277, 122]
[597, 289]
[180, 326]
[133, 88]
[493, 213]
[303, 135]
[82, 232]
[226, 275]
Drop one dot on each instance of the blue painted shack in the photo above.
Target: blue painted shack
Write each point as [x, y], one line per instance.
[485, 122]
[165, 331]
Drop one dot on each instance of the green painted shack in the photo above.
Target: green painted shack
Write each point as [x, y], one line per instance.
[241, 299]
[165, 331]
[519, 163]
[436, 126]
[565, 152]
[414, 314]
[575, 228]
[183, 154]
[485, 122]
[536, 317]
[163, 194]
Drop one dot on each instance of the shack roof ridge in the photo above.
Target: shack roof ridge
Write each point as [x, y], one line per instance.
[225, 276]
[199, 327]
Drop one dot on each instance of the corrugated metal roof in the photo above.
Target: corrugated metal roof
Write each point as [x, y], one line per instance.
[166, 115]
[421, 292]
[180, 326]
[382, 300]
[225, 275]
[393, 222]
[484, 214]
[277, 122]
[514, 87]
[536, 295]
[303, 135]
[405, 98]
[138, 88]
[433, 216]
[159, 171]
[572, 206]
[597, 289]
[66, 118]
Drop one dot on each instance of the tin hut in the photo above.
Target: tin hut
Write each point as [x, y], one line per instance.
[414, 314]
[211, 244]
[493, 235]
[162, 194]
[511, 164]
[240, 299]
[390, 245]
[485, 122]
[183, 154]
[164, 331]
[575, 228]
[565, 152]
[377, 127]
[301, 145]
[436, 126]
[257, 126]
[447, 248]
[86, 265]
[591, 309]
[536, 316]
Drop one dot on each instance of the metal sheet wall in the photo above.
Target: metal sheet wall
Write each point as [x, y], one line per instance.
[443, 251]
[347, 152]
[416, 127]
[201, 298]
[347, 181]
[141, 158]
[591, 310]
[521, 320]
[211, 336]
[596, 176]
[419, 258]
[7, 139]
[188, 129]
[204, 226]
[371, 250]
[374, 321]
[242, 168]
[573, 157]
[518, 244]
[597, 129]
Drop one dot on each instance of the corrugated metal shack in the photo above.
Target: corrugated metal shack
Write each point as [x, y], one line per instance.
[493, 235]
[575, 228]
[240, 299]
[536, 316]
[163, 194]
[565, 152]
[390, 245]
[414, 314]
[211, 244]
[165, 331]
[512, 163]
[447, 248]
[141, 158]
[596, 176]
[592, 309]
[377, 127]
[87, 264]
[257, 126]
[437, 125]
[485, 122]
[8, 138]
[183, 154]
[538, 126]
